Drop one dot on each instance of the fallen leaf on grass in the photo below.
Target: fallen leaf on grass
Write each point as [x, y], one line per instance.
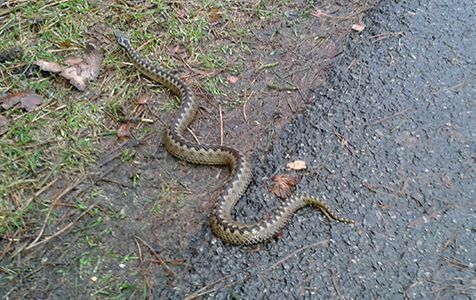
[3, 124]
[297, 165]
[49, 66]
[232, 79]
[142, 100]
[215, 15]
[124, 130]
[79, 70]
[359, 27]
[28, 100]
[283, 185]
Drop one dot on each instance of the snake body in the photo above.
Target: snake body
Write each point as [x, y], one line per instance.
[222, 222]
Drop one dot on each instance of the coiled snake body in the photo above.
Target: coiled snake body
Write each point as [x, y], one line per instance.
[223, 224]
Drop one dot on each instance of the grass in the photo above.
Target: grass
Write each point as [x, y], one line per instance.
[71, 131]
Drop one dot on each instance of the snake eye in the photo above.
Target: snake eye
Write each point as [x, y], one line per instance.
[121, 38]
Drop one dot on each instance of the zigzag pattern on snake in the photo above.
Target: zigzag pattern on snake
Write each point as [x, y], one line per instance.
[222, 222]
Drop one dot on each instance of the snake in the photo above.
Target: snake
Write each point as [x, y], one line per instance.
[222, 222]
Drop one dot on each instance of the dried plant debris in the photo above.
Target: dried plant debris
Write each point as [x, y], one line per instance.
[358, 27]
[3, 124]
[124, 131]
[297, 165]
[27, 100]
[283, 185]
[78, 70]
[10, 54]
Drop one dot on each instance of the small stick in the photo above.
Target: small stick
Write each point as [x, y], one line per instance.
[324, 243]
[212, 286]
[194, 136]
[388, 117]
[221, 124]
[57, 233]
[144, 275]
[382, 36]
[266, 66]
[53, 204]
[167, 270]
[244, 105]
[334, 282]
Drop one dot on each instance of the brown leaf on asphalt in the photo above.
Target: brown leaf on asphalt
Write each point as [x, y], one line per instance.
[359, 27]
[28, 100]
[283, 185]
[297, 165]
[79, 70]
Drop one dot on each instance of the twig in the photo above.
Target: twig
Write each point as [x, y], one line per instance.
[62, 230]
[211, 287]
[388, 117]
[324, 243]
[144, 275]
[244, 105]
[386, 35]
[334, 283]
[167, 270]
[286, 87]
[344, 142]
[266, 66]
[194, 136]
[208, 288]
[320, 13]
[41, 191]
[221, 125]
[53, 204]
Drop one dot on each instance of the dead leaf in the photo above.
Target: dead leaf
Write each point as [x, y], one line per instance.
[359, 27]
[330, 50]
[79, 70]
[65, 44]
[141, 100]
[28, 100]
[31, 101]
[10, 100]
[49, 66]
[232, 79]
[3, 124]
[283, 185]
[297, 165]
[215, 15]
[124, 130]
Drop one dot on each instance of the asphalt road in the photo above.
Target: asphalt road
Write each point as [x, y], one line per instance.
[390, 142]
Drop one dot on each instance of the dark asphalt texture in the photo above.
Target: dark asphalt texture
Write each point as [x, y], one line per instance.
[389, 142]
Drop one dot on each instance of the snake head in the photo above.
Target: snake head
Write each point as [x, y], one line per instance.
[122, 39]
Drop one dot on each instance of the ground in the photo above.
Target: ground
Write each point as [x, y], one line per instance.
[91, 203]
[383, 119]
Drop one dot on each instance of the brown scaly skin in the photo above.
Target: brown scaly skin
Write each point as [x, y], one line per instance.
[222, 223]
